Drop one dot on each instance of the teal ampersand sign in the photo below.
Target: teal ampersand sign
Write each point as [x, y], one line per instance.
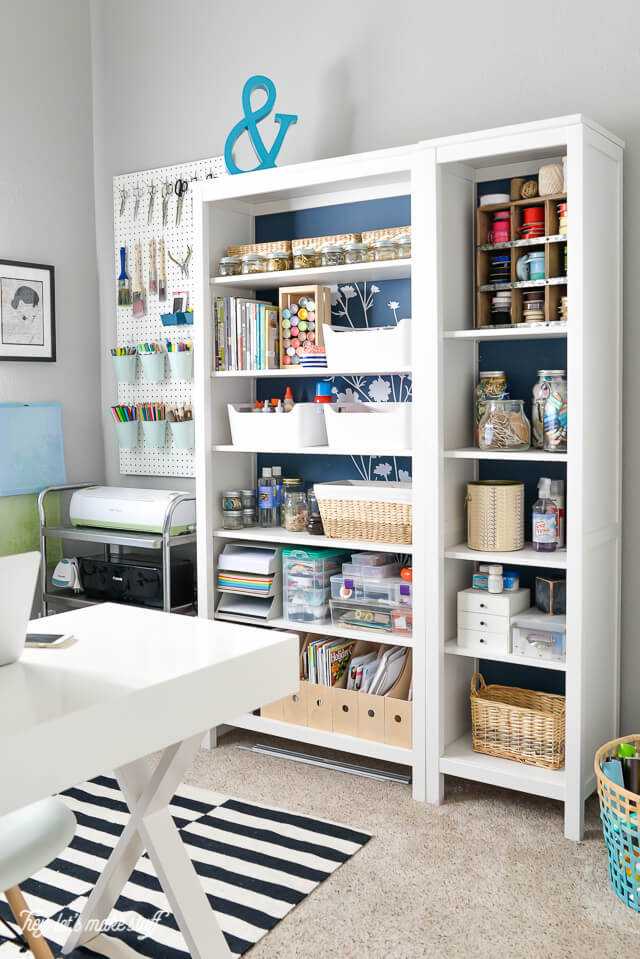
[249, 124]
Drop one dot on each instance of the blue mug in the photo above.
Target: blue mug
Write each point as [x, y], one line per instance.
[531, 266]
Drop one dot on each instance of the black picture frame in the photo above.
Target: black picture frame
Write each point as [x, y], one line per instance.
[27, 312]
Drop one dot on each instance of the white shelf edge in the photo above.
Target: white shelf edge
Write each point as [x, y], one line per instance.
[451, 648]
[459, 759]
[472, 453]
[524, 331]
[298, 371]
[381, 270]
[524, 284]
[314, 451]
[517, 557]
[328, 629]
[277, 534]
[318, 737]
[513, 244]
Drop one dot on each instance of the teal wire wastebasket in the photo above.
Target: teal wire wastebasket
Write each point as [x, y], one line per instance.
[619, 812]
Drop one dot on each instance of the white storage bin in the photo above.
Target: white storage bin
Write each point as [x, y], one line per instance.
[537, 635]
[386, 347]
[366, 426]
[303, 426]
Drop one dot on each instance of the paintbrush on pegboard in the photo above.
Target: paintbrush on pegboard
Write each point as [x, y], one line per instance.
[153, 273]
[162, 275]
[138, 290]
[124, 288]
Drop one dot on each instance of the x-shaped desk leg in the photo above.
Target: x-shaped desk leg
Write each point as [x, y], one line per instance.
[148, 794]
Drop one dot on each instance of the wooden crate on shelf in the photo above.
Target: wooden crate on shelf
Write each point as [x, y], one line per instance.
[321, 296]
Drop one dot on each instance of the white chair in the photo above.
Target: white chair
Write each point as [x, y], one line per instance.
[29, 839]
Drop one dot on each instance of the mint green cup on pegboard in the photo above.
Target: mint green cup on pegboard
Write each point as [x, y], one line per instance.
[154, 432]
[153, 366]
[183, 434]
[125, 367]
[127, 434]
[181, 364]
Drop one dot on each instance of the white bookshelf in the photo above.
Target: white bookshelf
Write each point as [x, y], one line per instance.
[225, 212]
[441, 176]
[591, 466]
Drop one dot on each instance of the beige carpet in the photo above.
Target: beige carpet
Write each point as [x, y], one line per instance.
[487, 874]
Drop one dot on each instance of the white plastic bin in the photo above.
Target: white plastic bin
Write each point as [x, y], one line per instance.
[366, 426]
[382, 347]
[304, 425]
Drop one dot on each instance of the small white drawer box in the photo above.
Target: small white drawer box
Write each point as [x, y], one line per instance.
[482, 638]
[485, 621]
[506, 604]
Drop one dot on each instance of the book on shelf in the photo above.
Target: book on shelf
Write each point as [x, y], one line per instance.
[326, 660]
[245, 334]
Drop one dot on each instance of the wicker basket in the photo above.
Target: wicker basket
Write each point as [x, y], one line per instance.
[518, 724]
[274, 247]
[495, 515]
[620, 815]
[356, 509]
[317, 242]
[390, 232]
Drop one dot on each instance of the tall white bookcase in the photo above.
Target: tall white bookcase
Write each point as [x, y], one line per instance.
[442, 177]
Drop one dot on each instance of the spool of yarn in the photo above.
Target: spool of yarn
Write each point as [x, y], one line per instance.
[550, 179]
[517, 182]
[529, 190]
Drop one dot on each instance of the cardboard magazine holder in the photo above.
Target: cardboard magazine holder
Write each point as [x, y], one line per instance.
[398, 711]
[346, 702]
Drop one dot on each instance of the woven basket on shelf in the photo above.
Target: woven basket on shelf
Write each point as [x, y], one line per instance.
[620, 815]
[495, 515]
[390, 232]
[519, 724]
[317, 242]
[273, 247]
[377, 512]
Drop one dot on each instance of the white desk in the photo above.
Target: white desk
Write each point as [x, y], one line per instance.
[136, 681]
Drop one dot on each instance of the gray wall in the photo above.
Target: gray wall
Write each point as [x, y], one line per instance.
[46, 182]
[365, 74]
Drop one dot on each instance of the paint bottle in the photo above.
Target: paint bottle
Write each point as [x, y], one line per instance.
[268, 513]
[289, 402]
[543, 519]
[557, 495]
[494, 581]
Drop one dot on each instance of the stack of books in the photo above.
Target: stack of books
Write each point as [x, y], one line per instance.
[245, 334]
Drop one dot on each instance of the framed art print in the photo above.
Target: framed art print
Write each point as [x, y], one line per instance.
[27, 312]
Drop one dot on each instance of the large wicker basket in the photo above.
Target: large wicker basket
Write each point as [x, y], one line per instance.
[495, 515]
[317, 242]
[620, 815]
[274, 246]
[518, 724]
[389, 233]
[356, 509]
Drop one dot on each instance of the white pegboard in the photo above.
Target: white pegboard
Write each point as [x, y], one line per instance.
[167, 460]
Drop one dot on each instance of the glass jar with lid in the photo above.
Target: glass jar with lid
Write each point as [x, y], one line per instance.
[232, 519]
[295, 511]
[253, 263]
[229, 266]
[540, 393]
[355, 252]
[332, 255]
[306, 259]
[554, 420]
[504, 426]
[492, 385]
[404, 247]
[385, 249]
[290, 484]
[278, 260]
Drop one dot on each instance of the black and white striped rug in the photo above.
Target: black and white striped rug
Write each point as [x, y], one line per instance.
[255, 864]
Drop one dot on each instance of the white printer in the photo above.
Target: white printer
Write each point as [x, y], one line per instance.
[139, 510]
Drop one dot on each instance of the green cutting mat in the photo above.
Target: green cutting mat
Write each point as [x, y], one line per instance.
[20, 526]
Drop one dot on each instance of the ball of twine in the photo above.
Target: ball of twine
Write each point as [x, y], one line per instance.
[529, 190]
[550, 179]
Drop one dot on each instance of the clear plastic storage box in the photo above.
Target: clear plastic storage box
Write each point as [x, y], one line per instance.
[365, 571]
[537, 635]
[306, 588]
[371, 616]
[391, 590]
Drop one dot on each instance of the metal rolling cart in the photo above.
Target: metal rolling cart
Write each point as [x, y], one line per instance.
[109, 538]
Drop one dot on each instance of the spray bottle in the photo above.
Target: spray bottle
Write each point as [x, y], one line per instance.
[544, 519]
